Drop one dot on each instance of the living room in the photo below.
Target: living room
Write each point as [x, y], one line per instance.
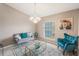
[55, 20]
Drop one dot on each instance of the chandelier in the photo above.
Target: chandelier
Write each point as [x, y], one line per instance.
[35, 18]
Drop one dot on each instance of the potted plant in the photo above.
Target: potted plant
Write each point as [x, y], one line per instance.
[35, 35]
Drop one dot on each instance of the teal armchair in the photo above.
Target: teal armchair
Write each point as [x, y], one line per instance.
[68, 43]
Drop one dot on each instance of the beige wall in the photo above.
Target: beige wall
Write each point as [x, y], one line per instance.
[13, 21]
[56, 18]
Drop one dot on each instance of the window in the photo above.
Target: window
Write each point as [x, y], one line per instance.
[49, 29]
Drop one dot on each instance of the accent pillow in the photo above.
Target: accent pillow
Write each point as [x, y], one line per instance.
[18, 36]
[23, 35]
[30, 34]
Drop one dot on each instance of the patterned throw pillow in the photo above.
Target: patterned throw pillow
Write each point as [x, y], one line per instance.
[17, 37]
[30, 34]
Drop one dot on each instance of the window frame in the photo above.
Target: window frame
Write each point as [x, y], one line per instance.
[53, 30]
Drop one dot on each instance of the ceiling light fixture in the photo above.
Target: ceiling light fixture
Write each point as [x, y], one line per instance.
[35, 18]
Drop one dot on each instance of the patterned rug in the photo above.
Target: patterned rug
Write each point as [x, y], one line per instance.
[51, 50]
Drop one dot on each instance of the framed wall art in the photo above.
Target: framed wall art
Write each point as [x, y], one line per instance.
[66, 23]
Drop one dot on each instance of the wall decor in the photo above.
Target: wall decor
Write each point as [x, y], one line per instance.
[66, 23]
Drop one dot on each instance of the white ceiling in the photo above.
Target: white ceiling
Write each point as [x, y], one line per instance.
[43, 9]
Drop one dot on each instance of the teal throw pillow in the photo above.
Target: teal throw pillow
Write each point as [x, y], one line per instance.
[23, 35]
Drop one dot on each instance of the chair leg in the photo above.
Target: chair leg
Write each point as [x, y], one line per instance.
[58, 47]
[64, 52]
[74, 52]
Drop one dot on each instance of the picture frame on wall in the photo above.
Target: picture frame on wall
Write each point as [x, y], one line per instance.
[66, 23]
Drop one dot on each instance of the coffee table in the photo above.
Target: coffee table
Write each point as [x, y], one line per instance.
[38, 48]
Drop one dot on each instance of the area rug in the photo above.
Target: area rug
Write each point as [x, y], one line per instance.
[49, 51]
